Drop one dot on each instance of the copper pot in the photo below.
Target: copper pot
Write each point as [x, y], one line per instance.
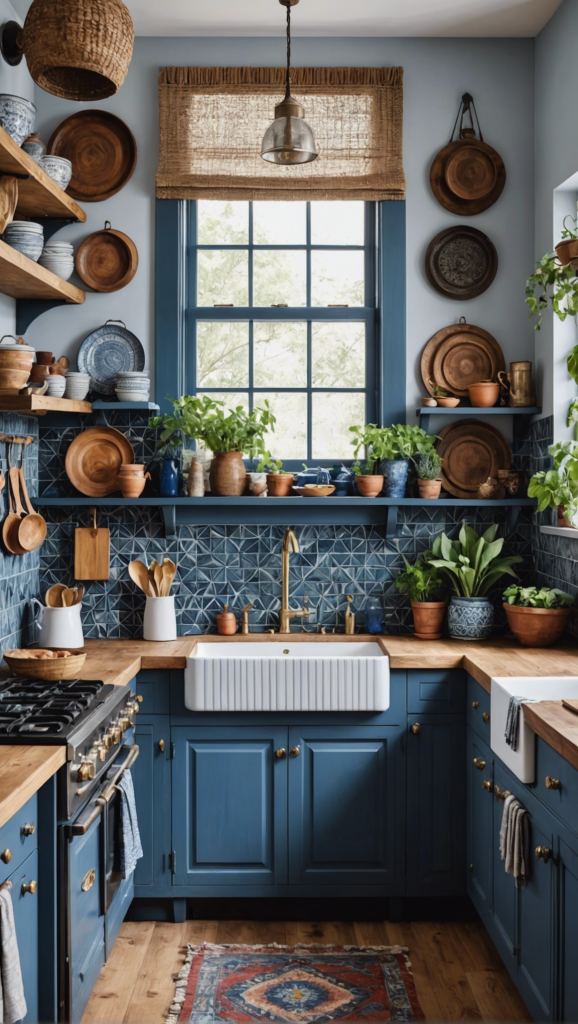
[537, 627]
[227, 474]
[484, 393]
[428, 619]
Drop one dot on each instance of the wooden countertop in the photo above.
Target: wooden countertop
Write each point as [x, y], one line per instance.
[23, 770]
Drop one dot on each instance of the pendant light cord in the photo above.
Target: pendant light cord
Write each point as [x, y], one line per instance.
[288, 82]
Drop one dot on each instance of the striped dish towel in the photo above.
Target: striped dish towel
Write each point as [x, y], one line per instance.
[12, 1002]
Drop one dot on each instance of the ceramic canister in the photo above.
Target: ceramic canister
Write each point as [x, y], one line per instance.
[159, 621]
[60, 627]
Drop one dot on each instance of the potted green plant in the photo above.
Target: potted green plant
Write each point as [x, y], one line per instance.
[428, 469]
[369, 484]
[537, 618]
[555, 284]
[567, 248]
[279, 480]
[228, 434]
[424, 584]
[472, 564]
[389, 450]
[557, 488]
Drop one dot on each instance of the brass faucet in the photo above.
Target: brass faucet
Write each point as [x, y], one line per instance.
[286, 613]
[245, 619]
[349, 617]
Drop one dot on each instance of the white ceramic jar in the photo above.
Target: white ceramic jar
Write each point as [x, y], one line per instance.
[160, 621]
[60, 627]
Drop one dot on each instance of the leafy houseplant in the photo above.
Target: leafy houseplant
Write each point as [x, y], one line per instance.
[227, 434]
[553, 284]
[558, 487]
[279, 480]
[472, 564]
[369, 484]
[428, 470]
[424, 584]
[390, 449]
[537, 618]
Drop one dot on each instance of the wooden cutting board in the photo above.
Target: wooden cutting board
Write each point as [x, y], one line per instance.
[572, 705]
[92, 552]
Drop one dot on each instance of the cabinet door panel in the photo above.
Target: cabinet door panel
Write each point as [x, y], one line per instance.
[229, 806]
[536, 902]
[152, 785]
[568, 930]
[346, 793]
[504, 892]
[479, 824]
[436, 806]
[26, 923]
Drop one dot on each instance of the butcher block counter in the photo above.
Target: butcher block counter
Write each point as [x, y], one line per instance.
[23, 771]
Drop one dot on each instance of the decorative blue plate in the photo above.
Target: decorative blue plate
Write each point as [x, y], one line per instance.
[106, 352]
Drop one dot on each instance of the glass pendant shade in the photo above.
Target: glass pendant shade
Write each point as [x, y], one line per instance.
[289, 140]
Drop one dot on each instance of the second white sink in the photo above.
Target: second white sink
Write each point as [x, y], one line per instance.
[287, 675]
[522, 761]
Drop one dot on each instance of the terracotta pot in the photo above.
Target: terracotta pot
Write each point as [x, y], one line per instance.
[11, 360]
[13, 380]
[447, 403]
[428, 619]
[484, 394]
[567, 251]
[563, 519]
[45, 358]
[369, 486]
[429, 488]
[537, 627]
[227, 475]
[279, 484]
[132, 480]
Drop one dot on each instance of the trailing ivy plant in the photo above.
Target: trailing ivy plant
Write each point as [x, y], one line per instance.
[572, 417]
[555, 285]
[206, 420]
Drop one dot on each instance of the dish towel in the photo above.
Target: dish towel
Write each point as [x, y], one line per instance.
[12, 1001]
[130, 844]
[512, 731]
[515, 840]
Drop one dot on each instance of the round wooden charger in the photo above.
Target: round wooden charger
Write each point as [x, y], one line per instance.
[463, 360]
[472, 452]
[102, 150]
[458, 335]
[107, 260]
[462, 179]
[94, 459]
[461, 262]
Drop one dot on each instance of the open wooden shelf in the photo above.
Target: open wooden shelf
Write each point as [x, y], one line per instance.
[38, 195]
[22, 278]
[39, 405]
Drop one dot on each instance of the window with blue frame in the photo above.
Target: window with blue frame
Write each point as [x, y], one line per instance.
[282, 306]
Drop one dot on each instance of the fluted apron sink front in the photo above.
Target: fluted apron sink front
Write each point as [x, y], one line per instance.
[287, 675]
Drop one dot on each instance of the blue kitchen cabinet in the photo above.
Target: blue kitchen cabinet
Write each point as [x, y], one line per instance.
[537, 909]
[504, 892]
[229, 806]
[83, 917]
[566, 977]
[346, 806]
[25, 901]
[479, 814]
[152, 782]
[436, 805]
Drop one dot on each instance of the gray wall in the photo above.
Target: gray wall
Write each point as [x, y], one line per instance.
[499, 73]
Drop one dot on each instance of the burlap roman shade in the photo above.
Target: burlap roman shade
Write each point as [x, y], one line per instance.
[212, 121]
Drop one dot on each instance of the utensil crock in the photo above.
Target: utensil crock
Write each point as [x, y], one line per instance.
[160, 621]
[60, 627]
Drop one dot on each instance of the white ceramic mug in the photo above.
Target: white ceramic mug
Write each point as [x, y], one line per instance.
[60, 627]
[159, 621]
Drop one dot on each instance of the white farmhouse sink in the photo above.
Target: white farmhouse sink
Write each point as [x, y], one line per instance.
[522, 761]
[287, 675]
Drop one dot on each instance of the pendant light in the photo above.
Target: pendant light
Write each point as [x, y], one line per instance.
[289, 140]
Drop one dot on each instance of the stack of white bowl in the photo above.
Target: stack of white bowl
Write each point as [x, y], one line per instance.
[59, 258]
[56, 385]
[25, 236]
[77, 386]
[133, 386]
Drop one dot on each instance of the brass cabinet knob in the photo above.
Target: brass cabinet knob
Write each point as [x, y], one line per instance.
[295, 751]
[162, 746]
[552, 783]
[281, 753]
[485, 717]
[488, 786]
[475, 704]
[30, 887]
[416, 728]
[6, 855]
[29, 830]
[138, 697]
[88, 880]
[501, 794]
[480, 765]
[543, 853]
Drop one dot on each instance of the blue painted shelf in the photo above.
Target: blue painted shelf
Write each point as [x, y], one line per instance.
[494, 410]
[131, 406]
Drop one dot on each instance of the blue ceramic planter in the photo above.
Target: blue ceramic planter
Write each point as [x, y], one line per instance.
[470, 618]
[395, 472]
[169, 478]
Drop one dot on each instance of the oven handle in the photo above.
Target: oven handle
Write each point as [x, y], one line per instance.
[82, 826]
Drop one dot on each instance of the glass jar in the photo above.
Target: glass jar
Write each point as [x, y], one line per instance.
[374, 621]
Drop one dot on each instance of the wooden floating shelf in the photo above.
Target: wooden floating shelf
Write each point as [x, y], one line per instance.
[38, 195]
[461, 410]
[22, 278]
[39, 405]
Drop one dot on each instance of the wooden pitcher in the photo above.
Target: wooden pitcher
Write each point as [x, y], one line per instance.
[519, 384]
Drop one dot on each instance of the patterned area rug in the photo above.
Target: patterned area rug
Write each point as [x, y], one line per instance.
[295, 984]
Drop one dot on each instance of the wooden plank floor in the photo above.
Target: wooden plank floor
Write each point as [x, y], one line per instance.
[458, 973]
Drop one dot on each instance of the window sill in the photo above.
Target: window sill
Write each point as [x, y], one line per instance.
[560, 531]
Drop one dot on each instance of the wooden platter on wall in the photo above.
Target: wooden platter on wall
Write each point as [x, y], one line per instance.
[94, 459]
[459, 355]
[107, 260]
[461, 262]
[472, 452]
[467, 176]
[102, 150]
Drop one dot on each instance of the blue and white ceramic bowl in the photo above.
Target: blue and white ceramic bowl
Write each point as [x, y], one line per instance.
[16, 116]
[58, 168]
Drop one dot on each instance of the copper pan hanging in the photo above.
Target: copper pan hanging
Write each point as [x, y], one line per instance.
[467, 176]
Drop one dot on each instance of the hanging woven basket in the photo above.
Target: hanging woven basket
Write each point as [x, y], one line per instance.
[78, 49]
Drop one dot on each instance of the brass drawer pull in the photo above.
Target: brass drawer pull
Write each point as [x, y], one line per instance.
[488, 786]
[485, 717]
[475, 704]
[6, 855]
[480, 765]
[501, 794]
[162, 746]
[552, 783]
[416, 728]
[29, 830]
[295, 751]
[544, 853]
[281, 753]
[31, 887]
[88, 880]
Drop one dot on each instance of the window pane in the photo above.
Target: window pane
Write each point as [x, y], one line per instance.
[289, 441]
[280, 355]
[222, 223]
[279, 277]
[338, 223]
[338, 355]
[337, 278]
[231, 399]
[333, 414]
[222, 355]
[279, 223]
[223, 277]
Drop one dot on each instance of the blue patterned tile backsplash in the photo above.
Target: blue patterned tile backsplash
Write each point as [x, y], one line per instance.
[19, 574]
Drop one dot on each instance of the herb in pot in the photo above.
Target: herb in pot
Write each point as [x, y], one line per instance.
[537, 618]
[531, 597]
[424, 584]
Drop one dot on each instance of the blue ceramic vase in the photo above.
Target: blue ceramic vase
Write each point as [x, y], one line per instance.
[395, 472]
[470, 618]
[169, 478]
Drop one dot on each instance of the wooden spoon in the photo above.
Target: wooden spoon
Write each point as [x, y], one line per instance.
[169, 569]
[13, 519]
[139, 574]
[79, 593]
[158, 577]
[68, 597]
[54, 595]
[32, 529]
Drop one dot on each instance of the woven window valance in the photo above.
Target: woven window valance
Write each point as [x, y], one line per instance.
[212, 121]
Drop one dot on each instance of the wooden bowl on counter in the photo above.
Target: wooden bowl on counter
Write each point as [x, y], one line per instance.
[59, 664]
